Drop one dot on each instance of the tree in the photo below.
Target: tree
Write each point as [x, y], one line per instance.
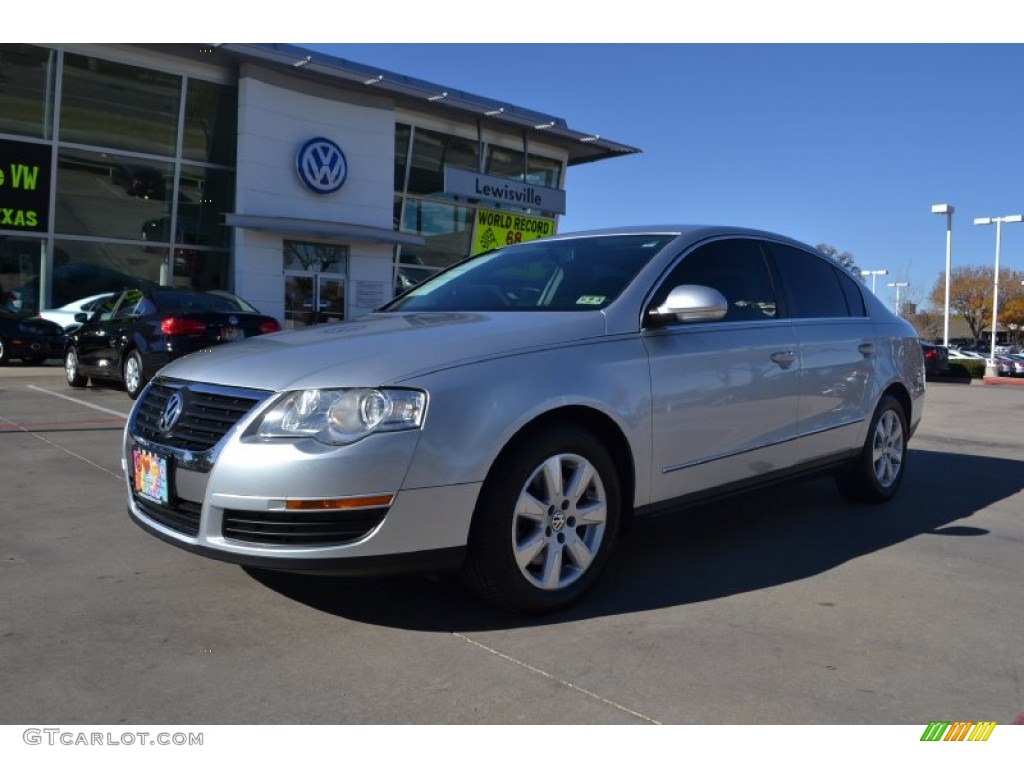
[970, 297]
[844, 259]
[928, 324]
[1011, 306]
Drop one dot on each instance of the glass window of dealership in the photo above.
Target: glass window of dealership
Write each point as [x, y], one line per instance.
[115, 173]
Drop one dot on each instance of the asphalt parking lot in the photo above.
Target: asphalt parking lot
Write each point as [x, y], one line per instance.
[786, 606]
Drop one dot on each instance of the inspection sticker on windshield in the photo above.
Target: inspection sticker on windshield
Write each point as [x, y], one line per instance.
[590, 300]
[150, 475]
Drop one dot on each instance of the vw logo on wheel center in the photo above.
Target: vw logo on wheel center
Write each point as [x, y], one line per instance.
[321, 165]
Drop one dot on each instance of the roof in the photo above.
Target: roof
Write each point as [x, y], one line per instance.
[429, 97]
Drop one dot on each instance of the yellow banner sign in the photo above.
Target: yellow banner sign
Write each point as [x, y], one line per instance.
[494, 229]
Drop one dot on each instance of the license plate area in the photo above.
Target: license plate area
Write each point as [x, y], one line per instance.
[230, 334]
[151, 476]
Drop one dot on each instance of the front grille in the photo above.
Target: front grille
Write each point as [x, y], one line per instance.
[182, 516]
[205, 418]
[318, 528]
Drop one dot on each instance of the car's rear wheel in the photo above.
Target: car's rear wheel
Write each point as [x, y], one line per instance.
[134, 380]
[72, 372]
[546, 521]
[876, 474]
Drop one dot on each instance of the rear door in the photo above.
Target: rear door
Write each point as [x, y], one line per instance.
[837, 347]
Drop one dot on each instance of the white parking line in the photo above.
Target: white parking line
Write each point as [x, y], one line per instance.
[558, 680]
[76, 400]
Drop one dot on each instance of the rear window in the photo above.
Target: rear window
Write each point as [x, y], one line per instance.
[197, 301]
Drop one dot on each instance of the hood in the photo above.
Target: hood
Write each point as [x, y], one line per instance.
[380, 348]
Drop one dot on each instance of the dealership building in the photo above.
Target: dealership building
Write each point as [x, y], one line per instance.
[313, 186]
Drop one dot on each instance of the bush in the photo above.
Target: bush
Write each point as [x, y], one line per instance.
[968, 369]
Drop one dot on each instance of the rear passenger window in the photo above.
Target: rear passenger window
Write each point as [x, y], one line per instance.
[735, 268]
[813, 286]
[854, 297]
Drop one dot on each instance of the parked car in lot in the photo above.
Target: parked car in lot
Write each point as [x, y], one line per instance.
[65, 316]
[30, 339]
[134, 333]
[1009, 366]
[936, 358]
[508, 416]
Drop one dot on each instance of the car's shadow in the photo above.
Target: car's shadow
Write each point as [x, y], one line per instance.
[745, 543]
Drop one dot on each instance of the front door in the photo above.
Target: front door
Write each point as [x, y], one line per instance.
[724, 393]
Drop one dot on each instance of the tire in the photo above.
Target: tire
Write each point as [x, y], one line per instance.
[5, 351]
[72, 371]
[538, 543]
[134, 380]
[877, 473]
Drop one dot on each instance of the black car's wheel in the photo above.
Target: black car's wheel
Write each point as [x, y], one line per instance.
[877, 473]
[546, 521]
[5, 352]
[134, 380]
[71, 370]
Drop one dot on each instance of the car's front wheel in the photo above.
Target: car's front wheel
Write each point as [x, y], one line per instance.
[72, 372]
[878, 471]
[5, 352]
[545, 523]
[134, 380]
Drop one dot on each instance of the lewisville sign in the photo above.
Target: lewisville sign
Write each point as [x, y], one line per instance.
[497, 190]
[24, 186]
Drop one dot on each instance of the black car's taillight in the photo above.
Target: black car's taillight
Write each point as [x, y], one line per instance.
[270, 326]
[182, 326]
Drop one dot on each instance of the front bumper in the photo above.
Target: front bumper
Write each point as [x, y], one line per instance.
[254, 501]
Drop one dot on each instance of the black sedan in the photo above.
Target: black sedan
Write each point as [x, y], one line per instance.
[31, 339]
[136, 332]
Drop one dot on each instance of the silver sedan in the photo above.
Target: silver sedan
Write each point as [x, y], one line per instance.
[506, 417]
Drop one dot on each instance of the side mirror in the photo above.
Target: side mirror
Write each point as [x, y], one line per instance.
[81, 317]
[691, 304]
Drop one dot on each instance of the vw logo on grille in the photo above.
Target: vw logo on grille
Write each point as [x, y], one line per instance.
[321, 165]
[172, 412]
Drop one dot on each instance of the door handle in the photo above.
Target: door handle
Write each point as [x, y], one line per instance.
[784, 359]
[867, 349]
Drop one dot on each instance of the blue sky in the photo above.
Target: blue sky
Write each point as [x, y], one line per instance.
[845, 144]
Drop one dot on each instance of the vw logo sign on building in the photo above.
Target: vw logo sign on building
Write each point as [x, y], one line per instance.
[321, 165]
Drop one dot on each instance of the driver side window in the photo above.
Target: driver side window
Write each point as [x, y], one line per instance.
[735, 268]
[128, 305]
[105, 309]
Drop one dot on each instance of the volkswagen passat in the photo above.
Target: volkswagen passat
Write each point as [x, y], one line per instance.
[129, 336]
[507, 416]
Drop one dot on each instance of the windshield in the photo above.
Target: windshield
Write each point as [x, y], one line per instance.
[557, 276]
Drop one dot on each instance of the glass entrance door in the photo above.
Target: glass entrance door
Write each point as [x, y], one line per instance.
[314, 283]
[313, 298]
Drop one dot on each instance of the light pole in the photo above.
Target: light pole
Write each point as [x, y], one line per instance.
[897, 286]
[874, 273]
[947, 209]
[991, 369]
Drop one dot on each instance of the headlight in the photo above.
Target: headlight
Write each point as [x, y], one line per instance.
[341, 416]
